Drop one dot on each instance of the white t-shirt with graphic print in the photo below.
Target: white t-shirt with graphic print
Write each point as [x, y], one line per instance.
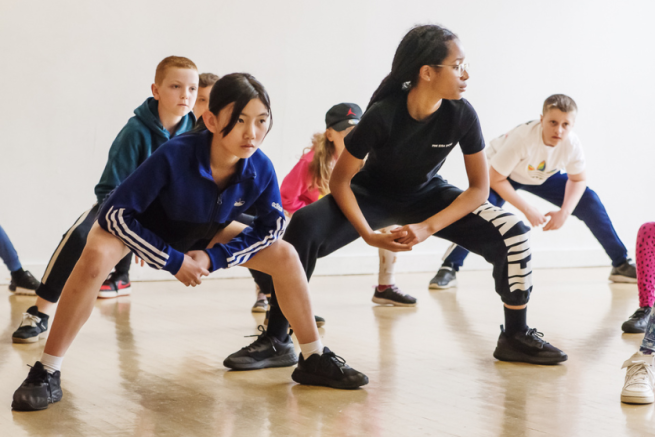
[522, 155]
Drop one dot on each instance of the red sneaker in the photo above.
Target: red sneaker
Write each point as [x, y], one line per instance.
[115, 285]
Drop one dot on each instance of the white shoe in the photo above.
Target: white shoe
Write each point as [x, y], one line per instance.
[639, 379]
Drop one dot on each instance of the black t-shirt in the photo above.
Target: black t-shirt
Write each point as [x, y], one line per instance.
[405, 154]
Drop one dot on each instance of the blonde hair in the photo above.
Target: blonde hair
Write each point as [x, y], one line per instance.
[207, 79]
[320, 169]
[172, 62]
[560, 101]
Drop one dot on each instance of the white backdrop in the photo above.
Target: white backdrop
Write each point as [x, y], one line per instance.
[72, 72]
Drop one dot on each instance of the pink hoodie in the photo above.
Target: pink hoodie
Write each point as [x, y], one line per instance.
[295, 186]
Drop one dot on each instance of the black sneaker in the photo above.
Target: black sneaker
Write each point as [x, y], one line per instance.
[320, 321]
[33, 326]
[39, 389]
[117, 284]
[25, 284]
[264, 352]
[445, 278]
[328, 370]
[625, 273]
[527, 347]
[393, 296]
[637, 322]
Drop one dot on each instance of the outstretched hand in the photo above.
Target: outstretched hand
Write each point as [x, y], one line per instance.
[193, 268]
[411, 235]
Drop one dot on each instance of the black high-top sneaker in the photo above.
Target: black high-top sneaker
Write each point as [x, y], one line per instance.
[527, 347]
[33, 326]
[637, 322]
[39, 389]
[328, 370]
[24, 284]
[266, 351]
[117, 284]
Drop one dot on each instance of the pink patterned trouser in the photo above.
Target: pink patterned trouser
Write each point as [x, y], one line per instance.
[646, 264]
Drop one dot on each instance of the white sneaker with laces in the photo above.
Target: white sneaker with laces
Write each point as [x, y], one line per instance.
[639, 379]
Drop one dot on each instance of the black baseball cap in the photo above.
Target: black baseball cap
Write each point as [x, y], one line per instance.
[342, 116]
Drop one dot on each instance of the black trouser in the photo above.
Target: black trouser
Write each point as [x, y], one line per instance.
[501, 238]
[68, 253]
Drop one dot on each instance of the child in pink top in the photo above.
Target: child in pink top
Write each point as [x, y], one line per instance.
[308, 181]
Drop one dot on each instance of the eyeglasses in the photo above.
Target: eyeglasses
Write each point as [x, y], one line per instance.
[461, 68]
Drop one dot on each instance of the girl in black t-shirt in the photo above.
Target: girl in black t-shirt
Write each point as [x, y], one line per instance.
[414, 119]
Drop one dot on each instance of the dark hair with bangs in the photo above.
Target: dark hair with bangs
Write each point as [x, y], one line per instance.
[237, 88]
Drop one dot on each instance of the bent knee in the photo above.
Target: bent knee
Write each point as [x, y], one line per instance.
[285, 254]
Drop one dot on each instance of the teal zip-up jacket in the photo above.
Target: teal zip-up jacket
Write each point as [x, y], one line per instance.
[141, 136]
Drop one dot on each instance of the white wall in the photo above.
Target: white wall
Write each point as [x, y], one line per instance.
[73, 71]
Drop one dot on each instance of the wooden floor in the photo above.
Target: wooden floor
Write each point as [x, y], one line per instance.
[151, 364]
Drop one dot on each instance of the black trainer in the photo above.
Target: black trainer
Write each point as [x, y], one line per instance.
[445, 278]
[33, 326]
[637, 322]
[266, 351]
[39, 389]
[527, 347]
[393, 296]
[25, 284]
[320, 321]
[328, 370]
[625, 273]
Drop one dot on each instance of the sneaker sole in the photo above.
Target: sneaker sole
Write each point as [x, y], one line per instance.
[632, 330]
[637, 399]
[23, 405]
[112, 294]
[381, 301]
[287, 360]
[620, 279]
[519, 357]
[305, 378]
[23, 291]
[435, 286]
[41, 336]
[258, 310]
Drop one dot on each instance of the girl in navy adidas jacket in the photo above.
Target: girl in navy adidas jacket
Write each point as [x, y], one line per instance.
[177, 212]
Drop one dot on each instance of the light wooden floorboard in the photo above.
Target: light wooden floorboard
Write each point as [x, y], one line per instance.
[151, 364]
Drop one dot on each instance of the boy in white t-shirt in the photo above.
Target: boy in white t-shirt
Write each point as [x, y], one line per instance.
[531, 157]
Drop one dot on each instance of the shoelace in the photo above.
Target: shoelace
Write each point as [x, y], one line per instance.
[31, 319]
[536, 335]
[260, 339]
[393, 288]
[36, 375]
[640, 372]
[336, 359]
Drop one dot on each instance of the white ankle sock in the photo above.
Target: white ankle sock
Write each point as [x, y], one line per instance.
[309, 349]
[51, 363]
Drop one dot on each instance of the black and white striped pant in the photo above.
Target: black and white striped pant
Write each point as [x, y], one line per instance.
[67, 254]
[501, 238]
